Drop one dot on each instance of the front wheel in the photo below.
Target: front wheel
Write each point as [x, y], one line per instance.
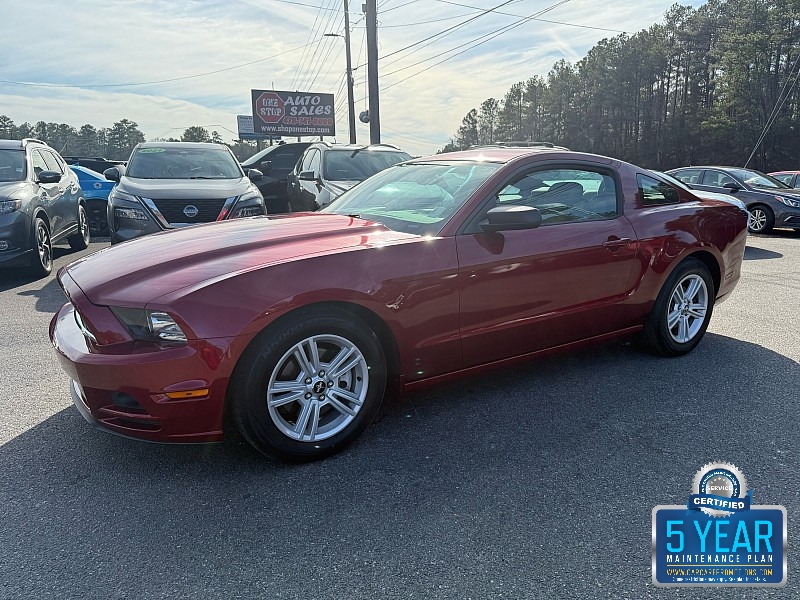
[42, 259]
[682, 311]
[80, 240]
[307, 387]
[761, 220]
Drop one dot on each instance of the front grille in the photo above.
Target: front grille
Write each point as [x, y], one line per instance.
[207, 210]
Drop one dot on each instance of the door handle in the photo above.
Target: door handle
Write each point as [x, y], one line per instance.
[613, 243]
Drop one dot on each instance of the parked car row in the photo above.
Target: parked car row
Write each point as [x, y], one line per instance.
[770, 201]
[305, 176]
[293, 328]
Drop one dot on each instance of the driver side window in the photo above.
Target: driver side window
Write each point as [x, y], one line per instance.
[564, 194]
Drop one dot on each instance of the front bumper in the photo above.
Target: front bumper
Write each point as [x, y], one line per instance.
[788, 217]
[15, 232]
[122, 388]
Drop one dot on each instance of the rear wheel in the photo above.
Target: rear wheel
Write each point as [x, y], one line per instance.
[682, 311]
[761, 219]
[80, 241]
[308, 386]
[42, 259]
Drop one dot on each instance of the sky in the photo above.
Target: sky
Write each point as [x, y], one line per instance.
[172, 64]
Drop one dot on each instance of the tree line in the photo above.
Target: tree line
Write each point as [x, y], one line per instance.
[115, 142]
[698, 88]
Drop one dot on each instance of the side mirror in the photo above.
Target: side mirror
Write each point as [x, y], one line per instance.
[254, 175]
[48, 177]
[265, 166]
[732, 187]
[112, 174]
[307, 176]
[503, 218]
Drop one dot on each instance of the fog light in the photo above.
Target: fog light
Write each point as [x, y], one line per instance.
[3, 245]
[130, 213]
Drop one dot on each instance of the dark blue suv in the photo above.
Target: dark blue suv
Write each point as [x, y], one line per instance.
[41, 203]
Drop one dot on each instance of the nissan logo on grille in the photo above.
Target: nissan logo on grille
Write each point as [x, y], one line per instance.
[190, 211]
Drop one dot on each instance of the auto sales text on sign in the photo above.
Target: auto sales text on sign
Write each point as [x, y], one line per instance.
[293, 113]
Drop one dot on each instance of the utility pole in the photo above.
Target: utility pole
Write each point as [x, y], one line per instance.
[372, 71]
[351, 108]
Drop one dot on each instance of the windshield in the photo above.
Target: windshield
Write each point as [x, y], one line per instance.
[758, 179]
[416, 197]
[12, 165]
[175, 162]
[357, 165]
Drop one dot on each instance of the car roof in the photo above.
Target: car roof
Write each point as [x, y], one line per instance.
[370, 147]
[181, 145]
[720, 167]
[783, 173]
[506, 154]
[20, 144]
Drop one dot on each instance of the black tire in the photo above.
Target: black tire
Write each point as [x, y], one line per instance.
[270, 423]
[42, 260]
[689, 327]
[761, 219]
[97, 211]
[80, 241]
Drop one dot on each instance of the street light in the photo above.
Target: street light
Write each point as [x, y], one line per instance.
[351, 109]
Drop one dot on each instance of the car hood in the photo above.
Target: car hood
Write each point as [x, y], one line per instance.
[184, 189]
[793, 193]
[139, 271]
[339, 187]
[8, 188]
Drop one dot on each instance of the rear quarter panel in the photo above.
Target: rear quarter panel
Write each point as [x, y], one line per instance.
[714, 230]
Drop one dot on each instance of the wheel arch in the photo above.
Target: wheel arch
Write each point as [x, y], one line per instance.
[710, 261]
[345, 308]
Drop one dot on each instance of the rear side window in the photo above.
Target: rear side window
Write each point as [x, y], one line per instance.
[717, 179]
[52, 162]
[689, 176]
[282, 161]
[652, 191]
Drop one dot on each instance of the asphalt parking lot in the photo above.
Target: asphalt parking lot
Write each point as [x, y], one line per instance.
[531, 482]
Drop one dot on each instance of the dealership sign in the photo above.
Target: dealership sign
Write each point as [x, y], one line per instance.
[292, 113]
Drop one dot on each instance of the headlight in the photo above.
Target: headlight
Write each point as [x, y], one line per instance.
[130, 213]
[788, 201]
[9, 206]
[149, 325]
[249, 204]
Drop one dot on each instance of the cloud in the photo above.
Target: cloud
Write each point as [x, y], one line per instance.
[97, 45]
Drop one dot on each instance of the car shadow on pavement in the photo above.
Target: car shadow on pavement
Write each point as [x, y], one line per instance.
[19, 276]
[49, 298]
[753, 253]
[484, 485]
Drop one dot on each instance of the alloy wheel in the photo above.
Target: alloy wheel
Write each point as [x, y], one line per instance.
[757, 219]
[688, 305]
[43, 246]
[317, 388]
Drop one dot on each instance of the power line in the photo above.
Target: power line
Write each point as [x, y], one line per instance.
[449, 29]
[543, 20]
[492, 35]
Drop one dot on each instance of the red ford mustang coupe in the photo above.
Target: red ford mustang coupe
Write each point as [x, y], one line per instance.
[294, 326]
